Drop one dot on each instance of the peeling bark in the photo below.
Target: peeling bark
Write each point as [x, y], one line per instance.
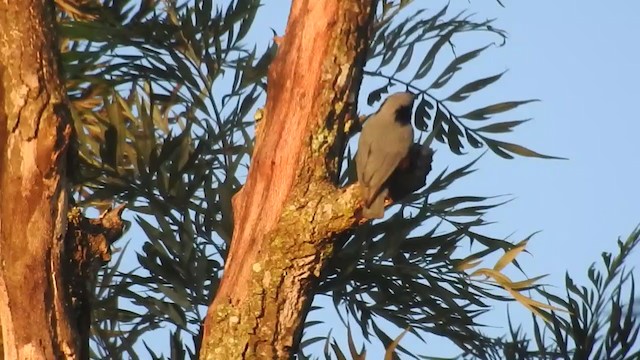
[289, 210]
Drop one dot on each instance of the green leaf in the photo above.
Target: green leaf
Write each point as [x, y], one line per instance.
[430, 58]
[474, 86]
[390, 49]
[250, 11]
[522, 151]
[455, 66]
[496, 149]
[376, 94]
[422, 115]
[485, 112]
[501, 127]
[406, 59]
[453, 138]
[473, 141]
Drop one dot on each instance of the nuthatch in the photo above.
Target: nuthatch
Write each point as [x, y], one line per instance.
[384, 142]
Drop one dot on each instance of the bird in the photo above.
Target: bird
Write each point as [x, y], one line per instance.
[384, 142]
[405, 180]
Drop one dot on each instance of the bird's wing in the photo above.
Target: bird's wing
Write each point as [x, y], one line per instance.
[375, 210]
[362, 155]
[379, 168]
[362, 166]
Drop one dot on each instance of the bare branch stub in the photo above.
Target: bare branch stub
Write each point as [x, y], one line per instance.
[90, 240]
[88, 243]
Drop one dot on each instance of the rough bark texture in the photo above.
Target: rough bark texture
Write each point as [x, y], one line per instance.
[34, 133]
[289, 210]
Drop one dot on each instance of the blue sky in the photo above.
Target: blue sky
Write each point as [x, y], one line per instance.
[580, 58]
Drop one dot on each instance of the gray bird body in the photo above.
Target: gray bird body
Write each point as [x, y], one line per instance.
[385, 140]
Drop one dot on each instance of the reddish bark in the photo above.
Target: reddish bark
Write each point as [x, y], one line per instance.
[288, 210]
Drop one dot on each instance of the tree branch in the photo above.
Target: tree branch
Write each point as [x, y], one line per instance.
[34, 134]
[289, 209]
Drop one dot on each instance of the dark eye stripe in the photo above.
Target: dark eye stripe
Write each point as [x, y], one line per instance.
[403, 114]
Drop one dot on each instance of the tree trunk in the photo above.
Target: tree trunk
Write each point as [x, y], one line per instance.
[34, 132]
[289, 210]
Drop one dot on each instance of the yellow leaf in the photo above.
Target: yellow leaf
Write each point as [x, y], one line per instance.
[467, 263]
[498, 277]
[510, 255]
[530, 303]
[388, 354]
[519, 285]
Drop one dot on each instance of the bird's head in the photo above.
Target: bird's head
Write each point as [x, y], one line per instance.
[400, 106]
